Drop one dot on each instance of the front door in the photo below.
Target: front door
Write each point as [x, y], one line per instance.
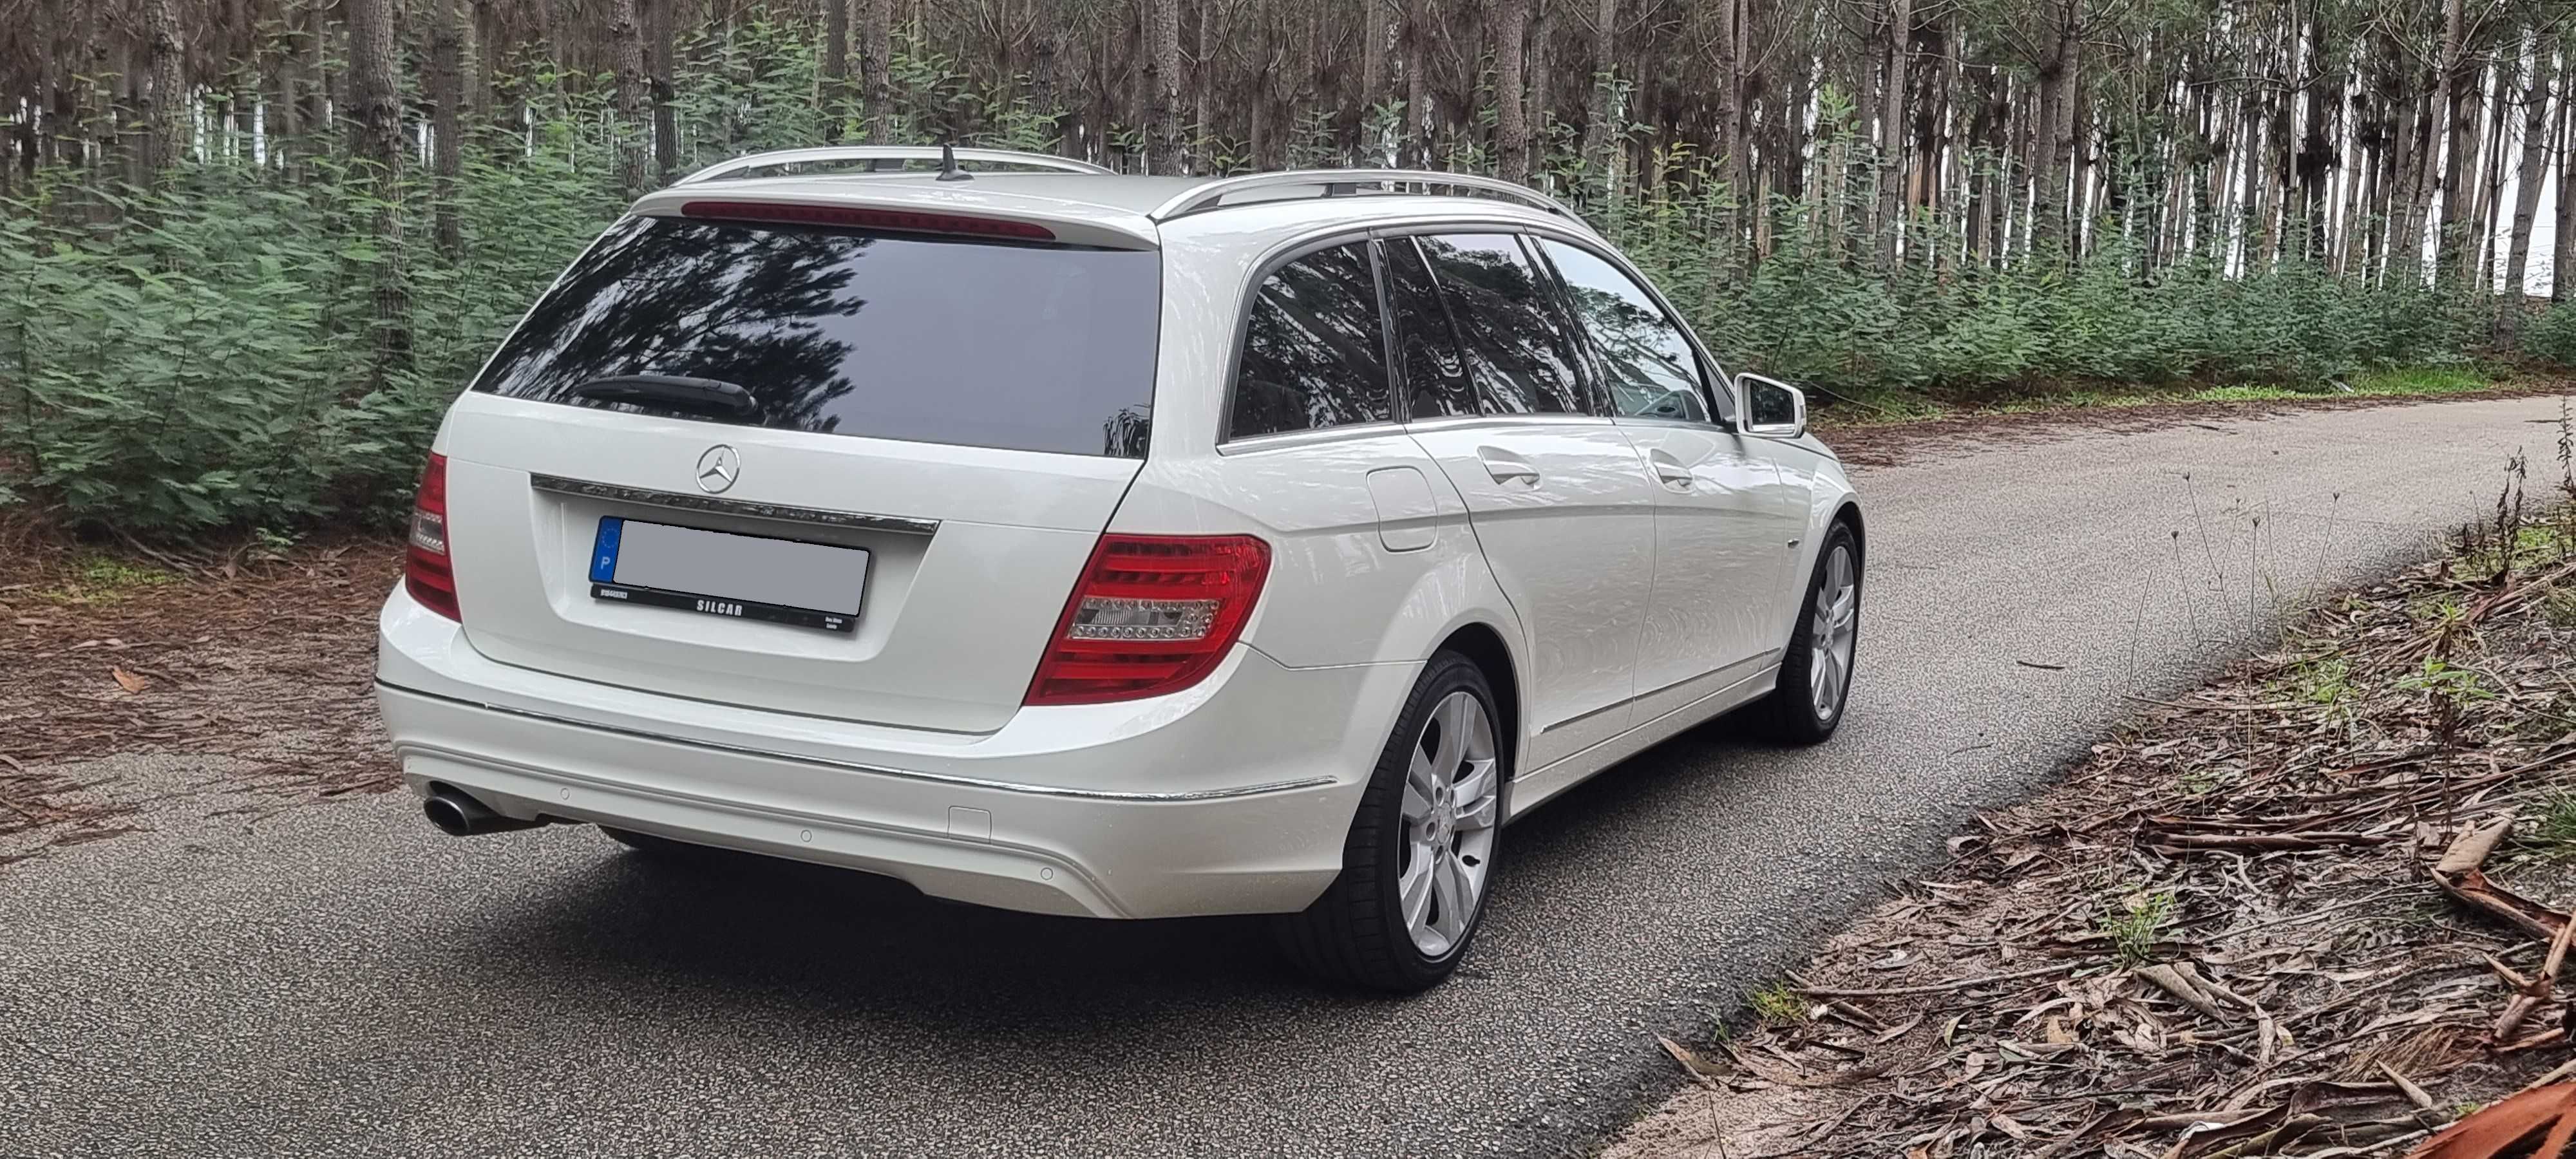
[1722, 530]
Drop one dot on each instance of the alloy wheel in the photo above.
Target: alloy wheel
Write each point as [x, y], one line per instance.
[1833, 633]
[1452, 794]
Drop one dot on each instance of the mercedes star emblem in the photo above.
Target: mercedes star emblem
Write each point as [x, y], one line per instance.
[718, 468]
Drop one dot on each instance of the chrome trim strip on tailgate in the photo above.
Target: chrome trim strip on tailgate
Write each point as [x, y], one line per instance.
[896, 523]
[878, 770]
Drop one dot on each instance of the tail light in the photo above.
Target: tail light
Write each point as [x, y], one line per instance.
[1152, 614]
[427, 573]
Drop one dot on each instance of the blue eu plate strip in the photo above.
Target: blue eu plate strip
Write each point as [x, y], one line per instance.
[603, 554]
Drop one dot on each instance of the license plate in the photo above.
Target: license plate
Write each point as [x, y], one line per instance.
[719, 573]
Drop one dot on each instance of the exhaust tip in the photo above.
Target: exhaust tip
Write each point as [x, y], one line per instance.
[458, 814]
[450, 815]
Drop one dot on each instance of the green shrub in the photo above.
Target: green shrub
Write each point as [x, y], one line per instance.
[2551, 337]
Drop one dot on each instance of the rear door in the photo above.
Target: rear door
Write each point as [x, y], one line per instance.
[967, 412]
[1721, 532]
[1558, 498]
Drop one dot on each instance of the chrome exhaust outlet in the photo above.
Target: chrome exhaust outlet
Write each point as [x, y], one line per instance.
[458, 815]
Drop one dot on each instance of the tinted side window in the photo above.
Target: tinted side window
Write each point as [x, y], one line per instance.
[1516, 343]
[1646, 364]
[1426, 346]
[1313, 353]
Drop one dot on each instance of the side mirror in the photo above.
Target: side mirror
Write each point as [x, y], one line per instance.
[1770, 407]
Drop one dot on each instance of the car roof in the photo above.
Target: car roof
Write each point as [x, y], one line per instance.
[1085, 204]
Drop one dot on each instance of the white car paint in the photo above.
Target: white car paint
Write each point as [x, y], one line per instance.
[1644, 581]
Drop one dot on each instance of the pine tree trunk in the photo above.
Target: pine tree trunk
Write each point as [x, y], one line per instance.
[1891, 132]
[660, 17]
[376, 141]
[1541, 87]
[2537, 133]
[626, 42]
[1376, 26]
[2054, 135]
[1734, 150]
[2460, 104]
[836, 66]
[1046, 83]
[876, 66]
[1201, 83]
[167, 113]
[1416, 47]
[2318, 156]
[1599, 127]
[1162, 86]
[2419, 137]
[2486, 186]
[1506, 29]
[446, 98]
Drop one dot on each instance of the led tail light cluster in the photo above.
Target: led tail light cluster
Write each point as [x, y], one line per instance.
[1151, 614]
[427, 571]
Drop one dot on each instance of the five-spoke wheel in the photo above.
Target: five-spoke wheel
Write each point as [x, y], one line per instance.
[1421, 849]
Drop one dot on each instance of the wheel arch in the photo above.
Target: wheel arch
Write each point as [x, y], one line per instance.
[1849, 514]
[1484, 644]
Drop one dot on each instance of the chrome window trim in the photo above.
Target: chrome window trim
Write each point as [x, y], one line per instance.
[861, 767]
[1471, 422]
[1283, 440]
[896, 523]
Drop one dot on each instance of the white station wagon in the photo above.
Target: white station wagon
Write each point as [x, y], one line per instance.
[1091, 544]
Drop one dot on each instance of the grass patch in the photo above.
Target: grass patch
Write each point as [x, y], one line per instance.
[2138, 924]
[1778, 1005]
[101, 579]
[2560, 608]
[2554, 831]
[2325, 680]
[2421, 380]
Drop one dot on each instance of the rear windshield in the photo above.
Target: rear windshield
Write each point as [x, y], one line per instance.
[1033, 348]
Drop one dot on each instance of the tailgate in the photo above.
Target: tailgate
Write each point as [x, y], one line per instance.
[969, 561]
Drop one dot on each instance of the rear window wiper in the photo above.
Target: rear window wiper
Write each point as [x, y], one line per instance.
[708, 396]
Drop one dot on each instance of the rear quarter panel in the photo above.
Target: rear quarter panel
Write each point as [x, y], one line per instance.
[1336, 593]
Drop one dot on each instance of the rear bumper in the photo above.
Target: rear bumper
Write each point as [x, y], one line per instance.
[1231, 797]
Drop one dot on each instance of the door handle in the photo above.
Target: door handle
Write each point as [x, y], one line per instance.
[1670, 472]
[1505, 467]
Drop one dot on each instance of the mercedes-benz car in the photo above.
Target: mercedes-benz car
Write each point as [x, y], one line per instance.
[1107, 545]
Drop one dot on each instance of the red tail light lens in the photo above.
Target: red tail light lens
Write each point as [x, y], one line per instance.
[1152, 614]
[427, 572]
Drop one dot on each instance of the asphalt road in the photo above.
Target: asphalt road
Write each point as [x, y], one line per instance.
[339, 978]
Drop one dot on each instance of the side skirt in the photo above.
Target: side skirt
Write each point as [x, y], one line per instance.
[1536, 788]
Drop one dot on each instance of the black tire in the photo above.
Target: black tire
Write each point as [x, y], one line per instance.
[655, 845]
[1790, 713]
[1355, 933]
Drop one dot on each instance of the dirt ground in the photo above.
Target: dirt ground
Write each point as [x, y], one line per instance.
[263, 659]
[2306, 910]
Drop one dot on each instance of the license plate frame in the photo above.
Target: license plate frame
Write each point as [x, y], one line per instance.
[662, 568]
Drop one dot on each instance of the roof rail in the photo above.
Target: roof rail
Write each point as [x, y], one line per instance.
[897, 153]
[1338, 182]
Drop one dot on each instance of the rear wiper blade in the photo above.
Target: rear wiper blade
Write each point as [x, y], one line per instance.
[671, 392]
